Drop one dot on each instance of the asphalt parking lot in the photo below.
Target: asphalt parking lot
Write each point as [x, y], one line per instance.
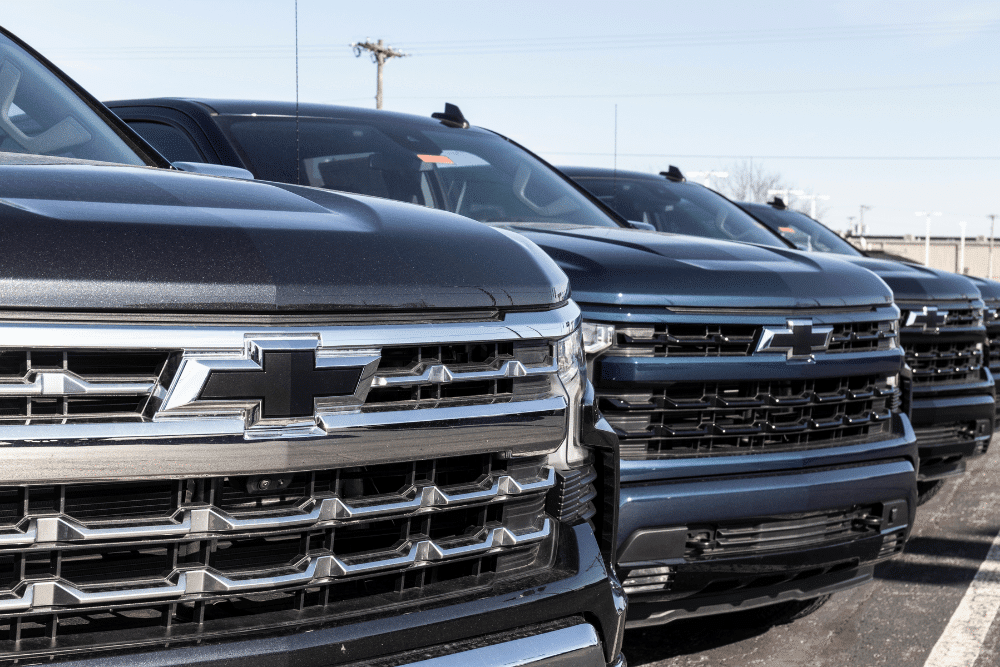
[935, 606]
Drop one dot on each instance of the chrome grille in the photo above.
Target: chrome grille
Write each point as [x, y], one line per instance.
[441, 375]
[203, 545]
[941, 363]
[52, 386]
[686, 419]
[154, 528]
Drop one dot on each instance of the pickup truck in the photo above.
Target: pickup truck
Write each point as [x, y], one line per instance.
[765, 458]
[252, 424]
[941, 325]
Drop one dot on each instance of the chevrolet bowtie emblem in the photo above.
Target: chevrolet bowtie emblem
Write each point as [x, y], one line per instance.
[800, 340]
[930, 319]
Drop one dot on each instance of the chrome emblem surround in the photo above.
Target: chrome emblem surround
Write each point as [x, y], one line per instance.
[183, 400]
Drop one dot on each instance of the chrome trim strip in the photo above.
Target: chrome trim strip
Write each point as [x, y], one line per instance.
[537, 324]
[336, 421]
[441, 374]
[575, 646]
[64, 383]
[228, 425]
[196, 582]
[325, 510]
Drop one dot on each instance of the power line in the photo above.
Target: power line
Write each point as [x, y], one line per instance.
[899, 158]
[716, 93]
[544, 44]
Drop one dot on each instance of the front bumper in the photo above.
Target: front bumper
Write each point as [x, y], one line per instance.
[578, 616]
[657, 511]
[951, 428]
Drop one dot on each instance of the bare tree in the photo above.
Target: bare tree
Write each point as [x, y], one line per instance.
[748, 181]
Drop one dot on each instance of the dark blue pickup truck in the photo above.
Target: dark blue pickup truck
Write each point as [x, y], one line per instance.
[941, 328]
[755, 390]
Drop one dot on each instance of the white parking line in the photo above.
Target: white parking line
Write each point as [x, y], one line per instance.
[962, 640]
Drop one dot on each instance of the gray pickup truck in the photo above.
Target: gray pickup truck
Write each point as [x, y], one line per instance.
[246, 424]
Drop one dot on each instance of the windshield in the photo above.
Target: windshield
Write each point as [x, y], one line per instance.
[803, 231]
[472, 173]
[678, 208]
[40, 115]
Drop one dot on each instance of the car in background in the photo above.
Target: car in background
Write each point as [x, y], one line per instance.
[942, 328]
[251, 424]
[766, 462]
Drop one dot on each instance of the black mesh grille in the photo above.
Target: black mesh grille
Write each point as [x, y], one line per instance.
[685, 340]
[734, 340]
[685, 419]
[958, 317]
[781, 533]
[861, 336]
[943, 363]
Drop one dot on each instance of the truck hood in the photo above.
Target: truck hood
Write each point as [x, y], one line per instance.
[990, 289]
[636, 267]
[87, 236]
[912, 282]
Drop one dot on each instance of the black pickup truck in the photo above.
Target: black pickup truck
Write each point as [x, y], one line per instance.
[250, 424]
[941, 326]
[764, 456]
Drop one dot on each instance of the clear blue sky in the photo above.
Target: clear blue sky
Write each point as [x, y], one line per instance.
[797, 85]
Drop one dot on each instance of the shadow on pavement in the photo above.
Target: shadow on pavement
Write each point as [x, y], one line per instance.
[946, 572]
[645, 646]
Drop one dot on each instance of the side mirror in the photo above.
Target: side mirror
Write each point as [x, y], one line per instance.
[214, 170]
[642, 225]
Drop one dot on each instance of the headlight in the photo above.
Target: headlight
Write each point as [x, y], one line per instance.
[597, 337]
[569, 355]
[892, 380]
[568, 352]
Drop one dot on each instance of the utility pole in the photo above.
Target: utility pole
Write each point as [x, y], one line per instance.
[861, 218]
[961, 250]
[927, 235]
[989, 262]
[380, 53]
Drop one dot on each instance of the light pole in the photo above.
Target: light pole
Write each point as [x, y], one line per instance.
[927, 236]
[812, 198]
[989, 261]
[961, 249]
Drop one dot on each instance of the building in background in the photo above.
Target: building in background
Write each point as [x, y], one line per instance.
[945, 251]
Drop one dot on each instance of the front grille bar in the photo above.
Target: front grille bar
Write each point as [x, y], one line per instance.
[327, 510]
[204, 580]
[69, 384]
[441, 374]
